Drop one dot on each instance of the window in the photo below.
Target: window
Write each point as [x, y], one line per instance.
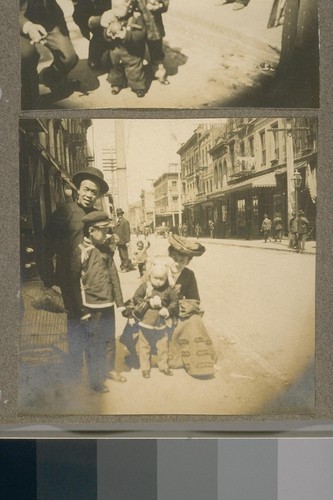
[241, 213]
[276, 145]
[251, 146]
[216, 177]
[262, 136]
[241, 148]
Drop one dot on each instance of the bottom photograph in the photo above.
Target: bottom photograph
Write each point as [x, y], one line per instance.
[167, 266]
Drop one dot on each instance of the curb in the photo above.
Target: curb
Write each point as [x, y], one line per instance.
[225, 242]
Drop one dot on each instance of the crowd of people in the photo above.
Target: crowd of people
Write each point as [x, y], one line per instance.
[120, 34]
[164, 317]
[297, 227]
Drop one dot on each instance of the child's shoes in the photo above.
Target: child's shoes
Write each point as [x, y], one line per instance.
[139, 92]
[167, 372]
[146, 374]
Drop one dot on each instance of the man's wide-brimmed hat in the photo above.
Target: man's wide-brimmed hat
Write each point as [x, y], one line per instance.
[119, 211]
[185, 246]
[91, 173]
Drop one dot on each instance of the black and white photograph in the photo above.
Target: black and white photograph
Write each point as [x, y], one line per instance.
[118, 54]
[167, 266]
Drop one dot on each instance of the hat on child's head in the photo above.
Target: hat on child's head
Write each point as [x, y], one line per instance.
[120, 211]
[97, 218]
[301, 212]
[185, 246]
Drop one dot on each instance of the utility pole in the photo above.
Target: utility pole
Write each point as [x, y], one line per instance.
[121, 165]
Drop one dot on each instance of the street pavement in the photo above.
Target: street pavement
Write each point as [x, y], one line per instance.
[260, 312]
[213, 58]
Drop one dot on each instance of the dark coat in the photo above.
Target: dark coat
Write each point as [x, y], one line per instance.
[134, 41]
[96, 271]
[84, 9]
[44, 12]
[153, 20]
[145, 313]
[188, 285]
[123, 231]
[61, 236]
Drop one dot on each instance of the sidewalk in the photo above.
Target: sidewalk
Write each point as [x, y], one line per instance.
[283, 246]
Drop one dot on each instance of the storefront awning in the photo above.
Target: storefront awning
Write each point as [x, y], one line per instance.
[262, 181]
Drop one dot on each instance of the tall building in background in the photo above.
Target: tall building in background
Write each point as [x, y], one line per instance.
[108, 143]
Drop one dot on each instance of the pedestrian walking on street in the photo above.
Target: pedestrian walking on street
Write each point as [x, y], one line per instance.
[277, 226]
[42, 22]
[125, 32]
[293, 231]
[198, 230]
[100, 289]
[266, 228]
[156, 305]
[152, 11]
[140, 256]
[123, 232]
[239, 4]
[211, 225]
[302, 230]
[62, 234]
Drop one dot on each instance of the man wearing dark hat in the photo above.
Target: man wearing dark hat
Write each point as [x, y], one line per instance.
[61, 236]
[123, 232]
[43, 22]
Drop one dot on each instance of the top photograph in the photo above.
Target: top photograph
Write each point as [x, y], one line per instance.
[171, 54]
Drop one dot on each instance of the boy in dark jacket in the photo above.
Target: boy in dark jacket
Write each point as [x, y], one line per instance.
[100, 290]
[126, 34]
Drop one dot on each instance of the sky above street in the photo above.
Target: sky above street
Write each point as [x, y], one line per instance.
[150, 146]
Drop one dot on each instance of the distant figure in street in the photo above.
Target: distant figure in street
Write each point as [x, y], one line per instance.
[87, 15]
[140, 256]
[239, 4]
[302, 231]
[99, 291]
[184, 230]
[180, 230]
[42, 22]
[293, 231]
[277, 225]
[198, 230]
[211, 225]
[266, 228]
[125, 32]
[156, 304]
[152, 11]
[123, 232]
